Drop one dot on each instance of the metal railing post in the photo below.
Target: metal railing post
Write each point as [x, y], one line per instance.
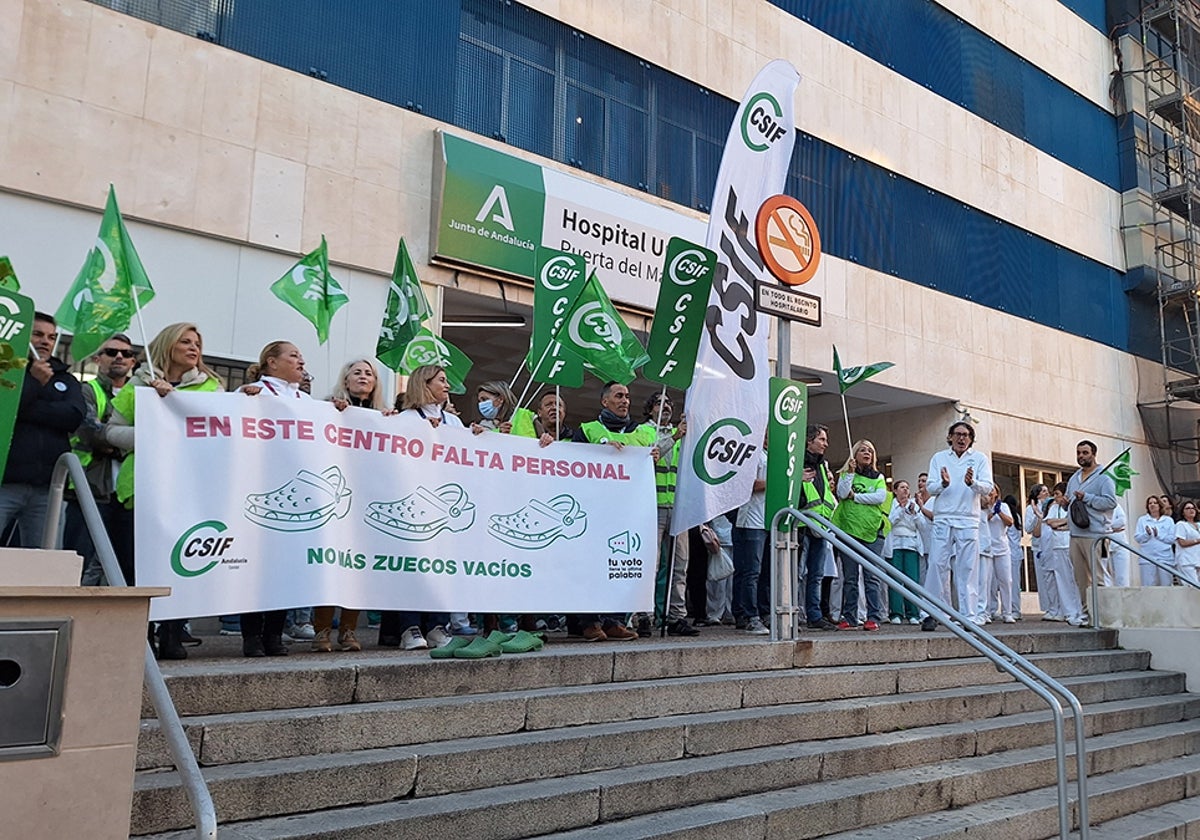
[1003, 657]
[168, 718]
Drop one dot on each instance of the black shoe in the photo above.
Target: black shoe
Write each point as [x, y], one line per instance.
[273, 646]
[253, 646]
[823, 624]
[644, 628]
[389, 641]
[169, 646]
[929, 624]
[680, 627]
[186, 638]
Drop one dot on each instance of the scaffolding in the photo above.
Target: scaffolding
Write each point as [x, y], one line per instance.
[1167, 138]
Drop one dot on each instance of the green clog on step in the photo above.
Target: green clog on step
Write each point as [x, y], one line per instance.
[499, 637]
[523, 642]
[447, 650]
[479, 648]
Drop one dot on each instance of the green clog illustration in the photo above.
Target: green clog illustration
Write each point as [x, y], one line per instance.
[423, 514]
[540, 523]
[306, 502]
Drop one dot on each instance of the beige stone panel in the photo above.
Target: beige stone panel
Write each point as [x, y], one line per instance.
[52, 55]
[43, 132]
[166, 177]
[178, 71]
[12, 13]
[378, 226]
[224, 178]
[7, 92]
[333, 132]
[329, 209]
[81, 793]
[107, 149]
[674, 40]
[117, 57]
[416, 150]
[378, 152]
[283, 113]
[277, 202]
[768, 36]
[231, 97]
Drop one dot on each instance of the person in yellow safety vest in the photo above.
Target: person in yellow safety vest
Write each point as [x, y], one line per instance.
[816, 494]
[548, 424]
[658, 412]
[114, 362]
[614, 427]
[176, 362]
[863, 514]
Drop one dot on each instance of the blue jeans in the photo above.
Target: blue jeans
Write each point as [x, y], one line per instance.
[814, 571]
[28, 505]
[748, 546]
[871, 584]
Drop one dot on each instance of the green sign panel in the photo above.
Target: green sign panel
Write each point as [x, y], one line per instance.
[491, 208]
[16, 327]
[785, 445]
[679, 315]
[560, 277]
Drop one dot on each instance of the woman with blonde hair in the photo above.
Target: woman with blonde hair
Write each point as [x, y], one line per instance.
[174, 362]
[497, 403]
[862, 513]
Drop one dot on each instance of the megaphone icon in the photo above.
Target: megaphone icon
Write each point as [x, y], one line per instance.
[624, 543]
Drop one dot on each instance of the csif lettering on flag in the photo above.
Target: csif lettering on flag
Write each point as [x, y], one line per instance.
[102, 301]
[557, 282]
[596, 333]
[429, 349]
[405, 313]
[310, 289]
[679, 313]
[727, 404]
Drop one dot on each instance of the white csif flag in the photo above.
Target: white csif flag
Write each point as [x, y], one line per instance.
[727, 404]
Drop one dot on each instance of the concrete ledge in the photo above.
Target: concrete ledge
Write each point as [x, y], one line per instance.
[1170, 650]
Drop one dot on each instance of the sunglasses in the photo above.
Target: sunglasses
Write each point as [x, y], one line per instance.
[113, 352]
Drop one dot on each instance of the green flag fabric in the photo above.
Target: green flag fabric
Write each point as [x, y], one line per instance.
[429, 349]
[405, 314]
[1121, 473]
[679, 314]
[8, 277]
[849, 377]
[310, 289]
[558, 279]
[600, 337]
[101, 300]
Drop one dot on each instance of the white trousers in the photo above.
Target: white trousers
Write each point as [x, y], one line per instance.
[957, 550]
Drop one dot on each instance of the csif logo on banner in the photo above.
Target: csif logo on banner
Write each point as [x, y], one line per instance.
[722, 449]
[762, 122]
[559, 272]
[202, 548]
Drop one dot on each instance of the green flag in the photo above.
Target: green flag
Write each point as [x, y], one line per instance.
[679, 314]
[310, 289]
[600, 337]
[558, 278]
[429, 349]
[406, 311]
[8, 277]
[1121, 473]
[849, 377]
[101, 300]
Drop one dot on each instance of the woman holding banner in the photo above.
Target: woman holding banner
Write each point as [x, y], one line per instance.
[174, 361]
[425, 397]
[278, 373]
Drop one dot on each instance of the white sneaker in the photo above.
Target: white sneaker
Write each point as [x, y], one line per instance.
[978, 620]
[438, 637]
[895, 619]
[914, 621]
[1008, 619]
[302, 631]
[1053, 617]
[755, 627]
[1078, 621]
[411, 639]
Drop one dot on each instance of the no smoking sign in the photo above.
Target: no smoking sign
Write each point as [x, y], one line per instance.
[788, 240]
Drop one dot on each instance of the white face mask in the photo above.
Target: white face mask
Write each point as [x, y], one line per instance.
[487, 409]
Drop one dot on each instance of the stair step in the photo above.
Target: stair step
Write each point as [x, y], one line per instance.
[261, 735]
[812, 809]
[670, 746]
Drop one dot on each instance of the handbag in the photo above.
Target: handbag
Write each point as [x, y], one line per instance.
[720, 564]
[1079, 514]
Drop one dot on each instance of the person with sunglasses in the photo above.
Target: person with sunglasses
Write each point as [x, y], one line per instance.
[114, 363]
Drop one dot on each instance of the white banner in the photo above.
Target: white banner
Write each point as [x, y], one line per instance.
[247, 503]
[727, 404]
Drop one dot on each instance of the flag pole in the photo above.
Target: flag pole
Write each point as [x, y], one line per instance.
[137, 308]
[846, 415]
[557, 418]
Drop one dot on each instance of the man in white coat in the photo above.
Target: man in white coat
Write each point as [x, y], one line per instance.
[958, 477]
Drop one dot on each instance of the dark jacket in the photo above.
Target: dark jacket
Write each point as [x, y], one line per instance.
[48, 416]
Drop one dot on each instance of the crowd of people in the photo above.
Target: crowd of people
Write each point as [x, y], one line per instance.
[954, 533]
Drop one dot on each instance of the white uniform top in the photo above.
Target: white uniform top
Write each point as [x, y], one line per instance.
[1189, 556]
[1031, 519]
[1050, 537]
[426, 412]
[958, 504]
[753, 513]
[996, 529]
[277, 387]
[1156, 537]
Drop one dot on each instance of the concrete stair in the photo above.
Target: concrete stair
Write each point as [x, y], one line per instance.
[847, 735]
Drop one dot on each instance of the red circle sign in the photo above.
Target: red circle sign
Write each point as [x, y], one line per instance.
[788, 239]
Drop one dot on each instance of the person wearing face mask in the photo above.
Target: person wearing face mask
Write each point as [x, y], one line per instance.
[114, 362]
[496, 404]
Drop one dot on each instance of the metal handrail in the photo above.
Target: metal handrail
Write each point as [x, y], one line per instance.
[194, 785]
[1003, 657]
[1095, 592]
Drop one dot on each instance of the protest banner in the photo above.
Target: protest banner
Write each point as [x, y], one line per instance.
[253, 504]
